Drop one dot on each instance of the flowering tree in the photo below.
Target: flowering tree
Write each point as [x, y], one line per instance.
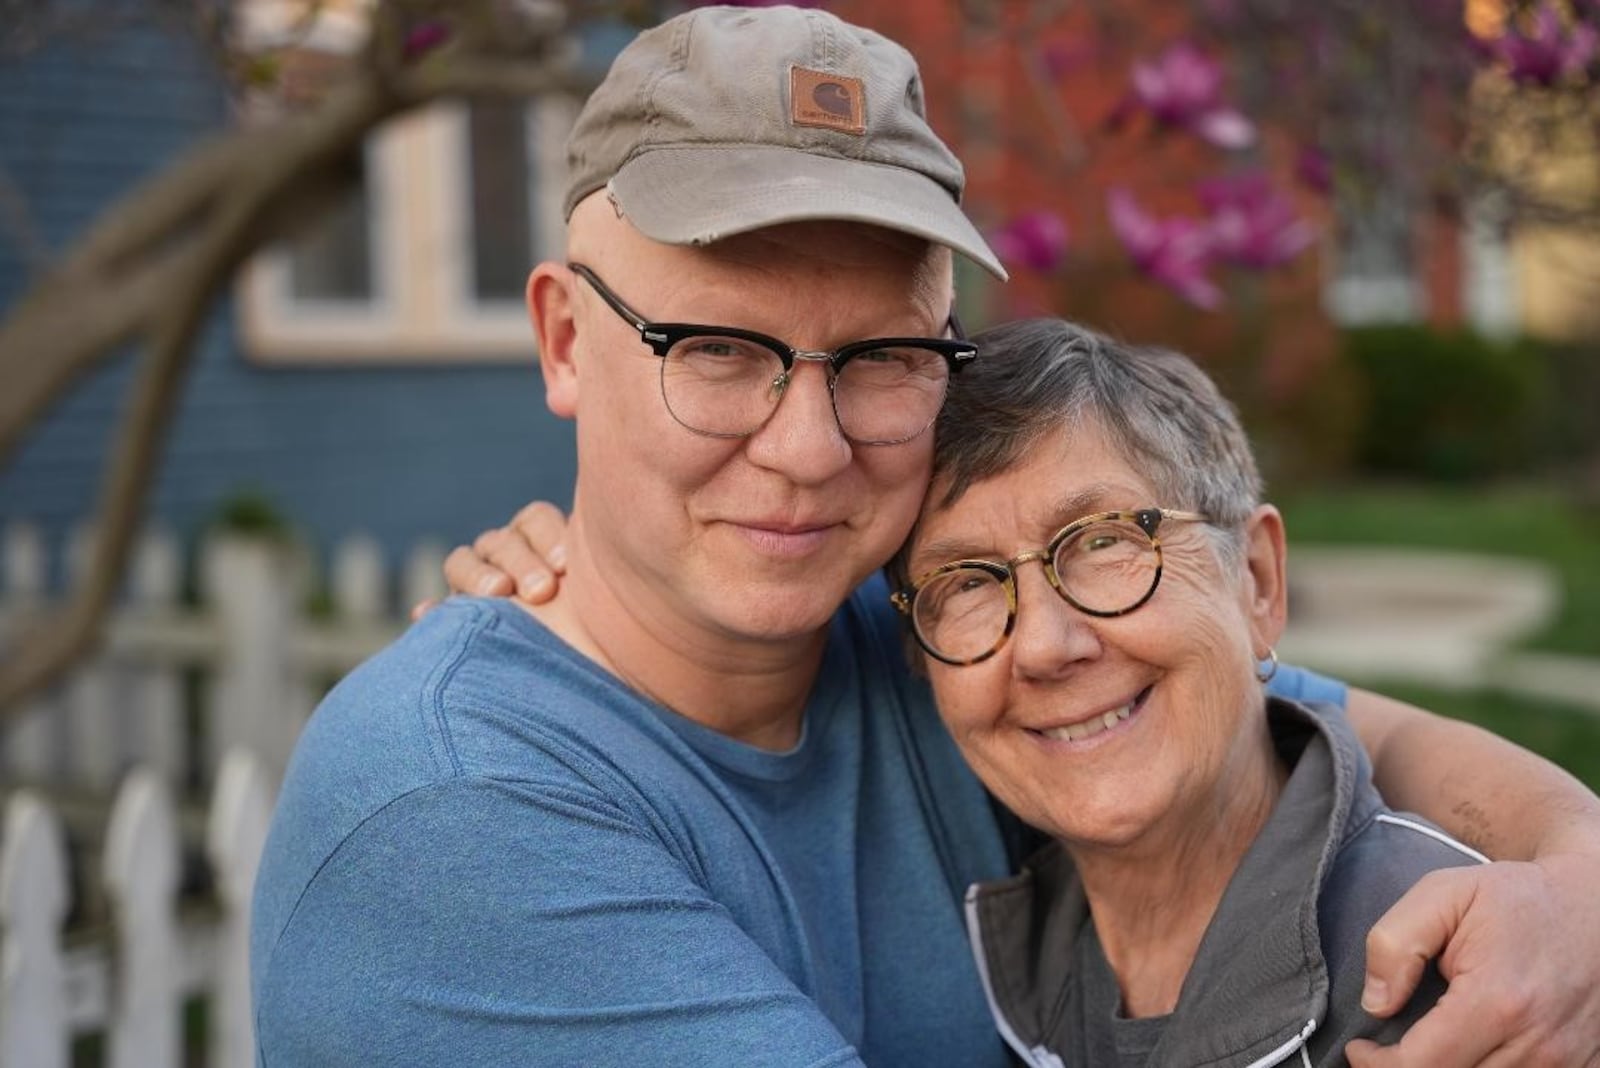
[151, 269]
[1437, 104]
[1265, 106]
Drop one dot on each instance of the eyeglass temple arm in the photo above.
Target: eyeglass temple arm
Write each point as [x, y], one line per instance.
[1149, 519]
[953, 324]
[613, 301]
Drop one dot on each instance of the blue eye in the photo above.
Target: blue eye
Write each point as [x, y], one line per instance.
[713, 347]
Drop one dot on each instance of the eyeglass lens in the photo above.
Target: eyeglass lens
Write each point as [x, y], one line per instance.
[729, 386]
[1105, 568]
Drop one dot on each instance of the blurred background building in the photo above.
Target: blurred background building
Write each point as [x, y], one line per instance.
[377, 374]
[1418, 362]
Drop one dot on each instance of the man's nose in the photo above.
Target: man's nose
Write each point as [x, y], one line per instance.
[802, 439]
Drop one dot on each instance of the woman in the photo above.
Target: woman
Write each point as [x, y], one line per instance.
[1097, 589]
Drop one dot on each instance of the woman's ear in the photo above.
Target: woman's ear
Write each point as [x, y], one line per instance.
[552, 310]
[1266, 572]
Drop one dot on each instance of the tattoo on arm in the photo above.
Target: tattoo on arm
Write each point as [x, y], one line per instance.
[1474, 828]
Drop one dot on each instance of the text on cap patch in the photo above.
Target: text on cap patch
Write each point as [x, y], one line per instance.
[831, 101]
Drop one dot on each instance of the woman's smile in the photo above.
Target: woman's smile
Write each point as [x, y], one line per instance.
[1096, 725]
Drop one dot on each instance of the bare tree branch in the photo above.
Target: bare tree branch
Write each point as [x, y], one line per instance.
[204, 266]
[160, 208]
[61, 638]
[59, 332]
[106, 294]
[153, 268]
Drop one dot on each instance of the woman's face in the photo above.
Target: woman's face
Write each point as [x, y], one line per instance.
[1177, 676]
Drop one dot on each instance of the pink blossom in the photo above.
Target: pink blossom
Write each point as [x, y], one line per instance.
[1314, 169]
[1252, 224]
[423, 38]
[1174, 252]
[1547, 51]
[1036, 240]
[1183, 88]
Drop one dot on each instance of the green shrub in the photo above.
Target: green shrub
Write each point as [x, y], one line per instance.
[250, 511]
[1453, 406]
[1570, 432]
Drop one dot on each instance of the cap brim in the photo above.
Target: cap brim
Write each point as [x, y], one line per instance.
[691, 196]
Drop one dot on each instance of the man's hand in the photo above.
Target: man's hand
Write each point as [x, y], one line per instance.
[524, 559]
[1519, 945]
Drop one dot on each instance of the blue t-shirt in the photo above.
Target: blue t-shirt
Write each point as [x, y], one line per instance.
[487, 850]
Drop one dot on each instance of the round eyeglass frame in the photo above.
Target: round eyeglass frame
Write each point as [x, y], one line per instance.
[1147, 520]
[661, 337]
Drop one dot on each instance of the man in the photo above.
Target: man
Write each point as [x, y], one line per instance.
[694, 810]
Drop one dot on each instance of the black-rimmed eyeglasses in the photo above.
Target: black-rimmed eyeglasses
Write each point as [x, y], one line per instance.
[1106, 564]
[725, 382]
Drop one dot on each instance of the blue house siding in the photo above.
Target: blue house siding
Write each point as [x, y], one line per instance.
[404, 453]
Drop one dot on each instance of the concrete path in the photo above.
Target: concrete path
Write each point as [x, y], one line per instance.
[1444, 619]
[1570, 680]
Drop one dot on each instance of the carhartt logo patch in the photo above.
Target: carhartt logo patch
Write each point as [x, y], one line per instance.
[831, 101]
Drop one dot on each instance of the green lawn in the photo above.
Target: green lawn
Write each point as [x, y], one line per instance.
[1530, 522]
[1568, 736]
[1536, 523]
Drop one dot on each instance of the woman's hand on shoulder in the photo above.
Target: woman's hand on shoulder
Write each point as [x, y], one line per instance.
[524, 559]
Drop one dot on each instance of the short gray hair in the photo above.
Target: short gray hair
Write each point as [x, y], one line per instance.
[1035, 376]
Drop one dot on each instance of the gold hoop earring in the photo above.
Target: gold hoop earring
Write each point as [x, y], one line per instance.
[1264, 675]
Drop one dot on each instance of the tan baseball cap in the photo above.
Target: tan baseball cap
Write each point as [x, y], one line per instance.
[728, 119]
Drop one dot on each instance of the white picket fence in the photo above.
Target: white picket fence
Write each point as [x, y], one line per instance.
[131, 982]
[182, 721]
[260, 662]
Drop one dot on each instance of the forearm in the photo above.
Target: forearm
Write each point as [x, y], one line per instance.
[1489, 793]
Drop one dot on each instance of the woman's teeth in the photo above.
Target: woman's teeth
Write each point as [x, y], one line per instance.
[1074, 732]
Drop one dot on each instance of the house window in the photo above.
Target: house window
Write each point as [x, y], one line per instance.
[504, 231]
[1374, 278]
[333, 261]
[426, 260]
[1489, 270]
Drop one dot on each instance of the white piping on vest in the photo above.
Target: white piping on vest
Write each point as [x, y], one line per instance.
[1033, 1056]
[1438, 836]
[1283, 1052]
[1039, 1056]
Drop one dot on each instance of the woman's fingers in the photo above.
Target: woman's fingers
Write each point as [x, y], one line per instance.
[524, 559]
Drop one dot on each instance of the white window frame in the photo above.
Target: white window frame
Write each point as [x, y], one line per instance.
[1356, 300]
[1361, 292]
[422, 309]
[1490, 281]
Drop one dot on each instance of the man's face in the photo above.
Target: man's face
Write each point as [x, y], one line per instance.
[759, 537]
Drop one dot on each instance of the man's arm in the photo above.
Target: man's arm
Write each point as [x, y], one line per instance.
[1518, 942]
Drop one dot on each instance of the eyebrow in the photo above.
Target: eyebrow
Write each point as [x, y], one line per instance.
[1086, 500]
[1095, 497]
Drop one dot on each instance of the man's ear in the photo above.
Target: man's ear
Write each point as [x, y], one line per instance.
[1266, 572]
[552, 310]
